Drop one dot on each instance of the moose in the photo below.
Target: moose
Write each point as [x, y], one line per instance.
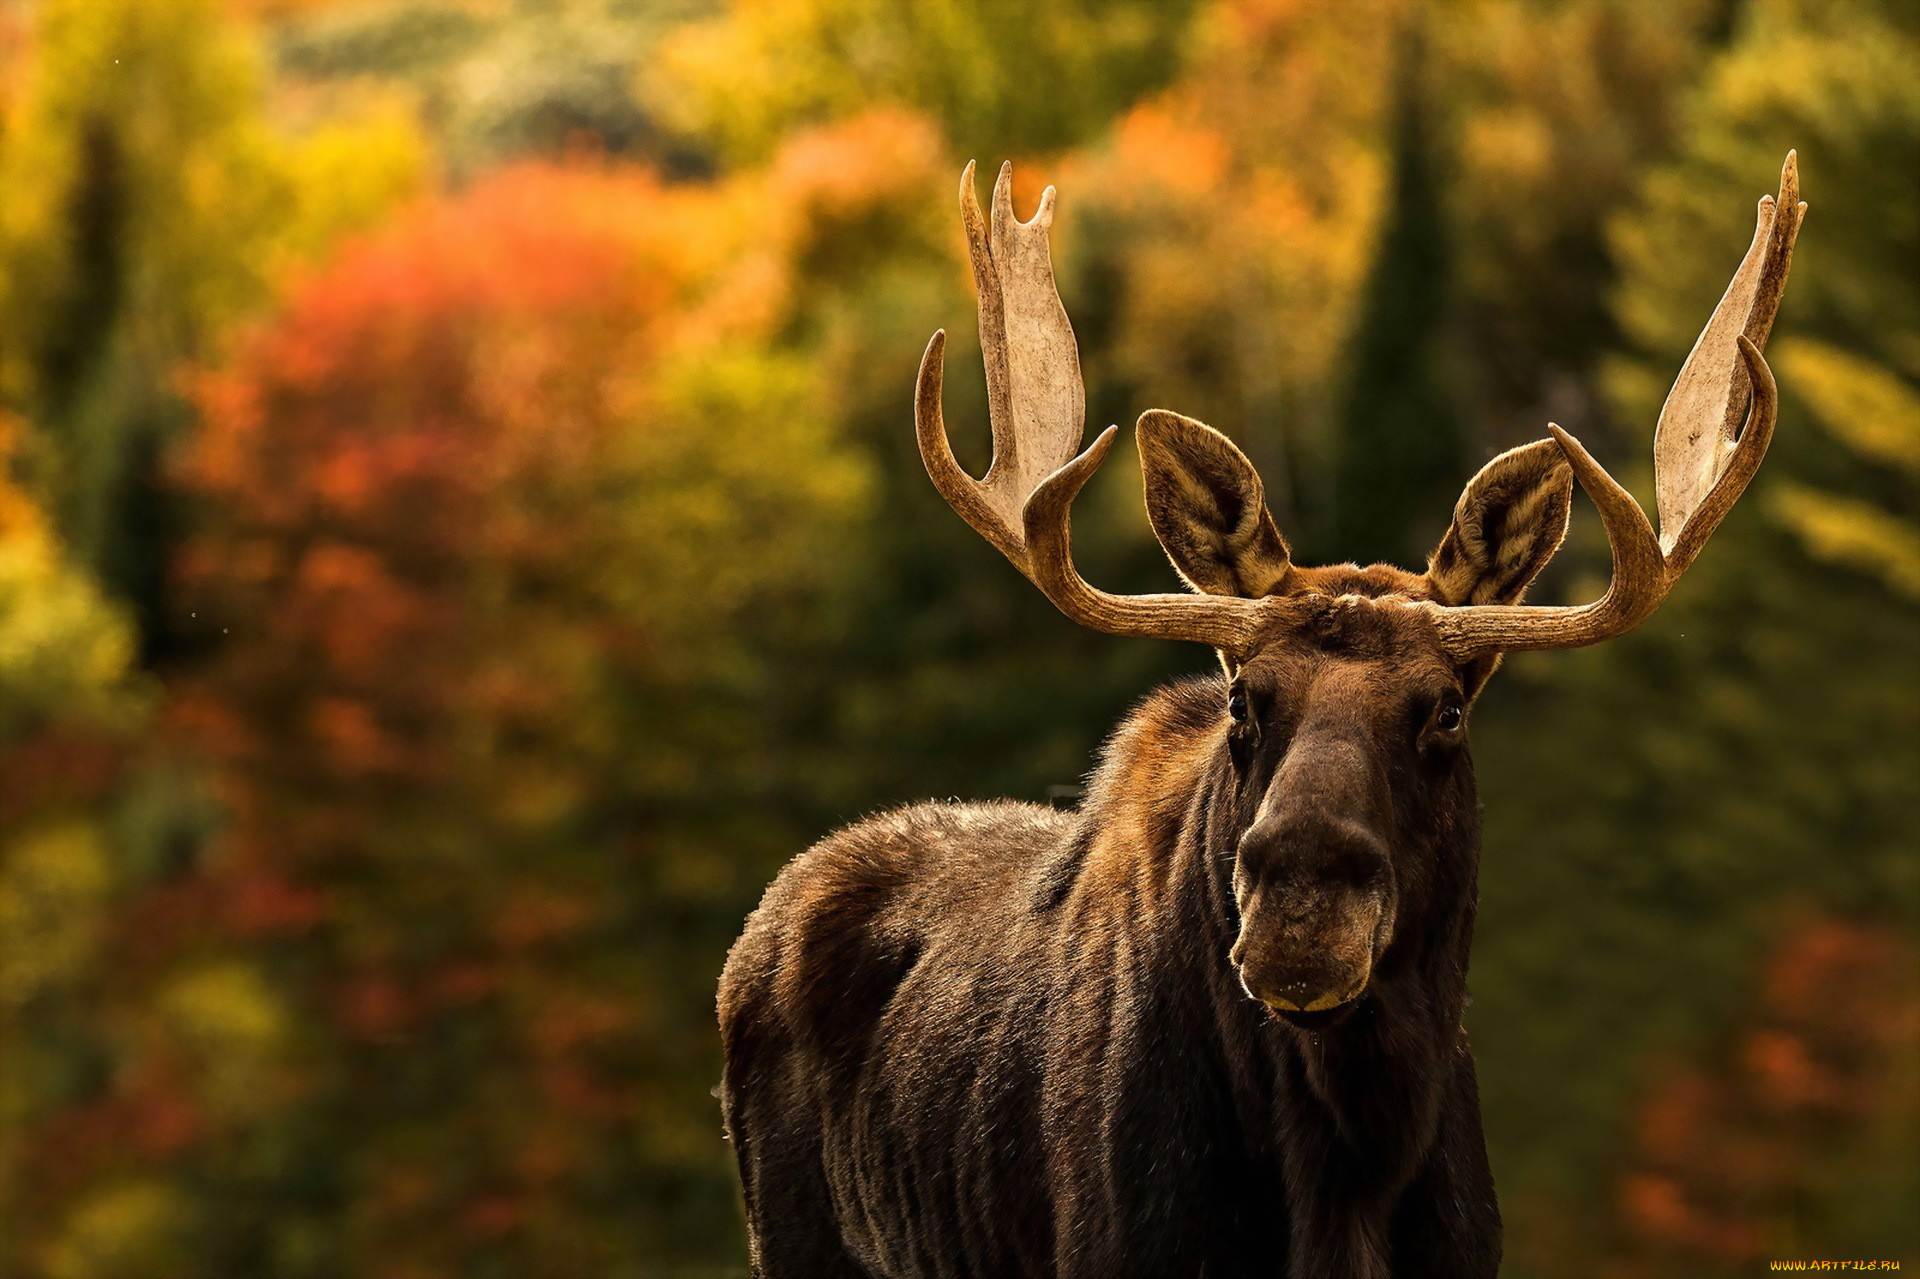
[1209, 1023]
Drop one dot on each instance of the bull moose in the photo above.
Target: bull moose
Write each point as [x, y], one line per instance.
[1209, 1024]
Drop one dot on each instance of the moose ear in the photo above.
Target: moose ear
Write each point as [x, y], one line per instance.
[1509, 522]
[1209, 509]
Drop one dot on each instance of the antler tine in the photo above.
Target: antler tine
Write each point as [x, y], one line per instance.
[1703, 459]
[964, 494]
[1638, 585]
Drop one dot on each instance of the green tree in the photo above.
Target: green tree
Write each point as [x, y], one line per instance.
[1557, 112]
[1657, 806]
[145, 208]
[1400, 447]
[498, 82]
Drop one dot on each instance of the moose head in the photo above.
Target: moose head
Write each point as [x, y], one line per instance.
[1349, 687]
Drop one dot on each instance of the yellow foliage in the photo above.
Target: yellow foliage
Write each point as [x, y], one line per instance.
[233, 1027]
[132, 104]
[1844, 530]
[349, 173]
[53, 891]
[1869, 408]
[150, 109]
[997, 75]
[132, 1230]
[63, 646]
[776, 47]
[1865, 405]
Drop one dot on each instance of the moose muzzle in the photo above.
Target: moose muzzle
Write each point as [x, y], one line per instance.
[1314, 914]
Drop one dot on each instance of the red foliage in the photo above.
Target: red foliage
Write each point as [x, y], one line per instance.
[57, 768]
[404, 482]
[1726, 1149]
[441, 948]
[394, 453]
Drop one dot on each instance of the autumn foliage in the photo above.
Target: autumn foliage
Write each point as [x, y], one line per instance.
[461, 531]
[1745, 1157]
[447, 590]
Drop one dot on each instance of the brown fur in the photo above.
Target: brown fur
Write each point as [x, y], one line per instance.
[1208, 1024]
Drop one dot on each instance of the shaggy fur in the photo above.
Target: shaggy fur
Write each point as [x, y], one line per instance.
[1208, 1025]
[1000, 1040]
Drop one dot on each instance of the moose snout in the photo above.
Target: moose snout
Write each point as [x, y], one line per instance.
[1310, 988]
[1308, 951]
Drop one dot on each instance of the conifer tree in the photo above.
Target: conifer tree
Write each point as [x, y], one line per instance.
[1400, 447]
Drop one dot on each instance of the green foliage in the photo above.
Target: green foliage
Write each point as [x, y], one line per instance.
[500, 81]
[1871, 409]
[750, 76]
[527, 568]
[144, 209]
[1400, 442]
[1658, 807]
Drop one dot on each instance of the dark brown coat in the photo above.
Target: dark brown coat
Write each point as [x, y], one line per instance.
[995, 1039]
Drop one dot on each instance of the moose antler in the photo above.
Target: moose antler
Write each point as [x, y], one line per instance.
[1703, 460]
[1037, 403]
[1703, 457]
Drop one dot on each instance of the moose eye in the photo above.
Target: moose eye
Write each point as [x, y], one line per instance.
[1237, 705]
[1449, 718]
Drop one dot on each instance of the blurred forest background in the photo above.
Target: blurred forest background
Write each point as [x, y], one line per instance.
[460, 532]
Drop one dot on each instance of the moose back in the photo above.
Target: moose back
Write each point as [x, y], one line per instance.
[1210, 1023]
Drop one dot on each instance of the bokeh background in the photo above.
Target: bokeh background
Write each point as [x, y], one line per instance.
[460, 532]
